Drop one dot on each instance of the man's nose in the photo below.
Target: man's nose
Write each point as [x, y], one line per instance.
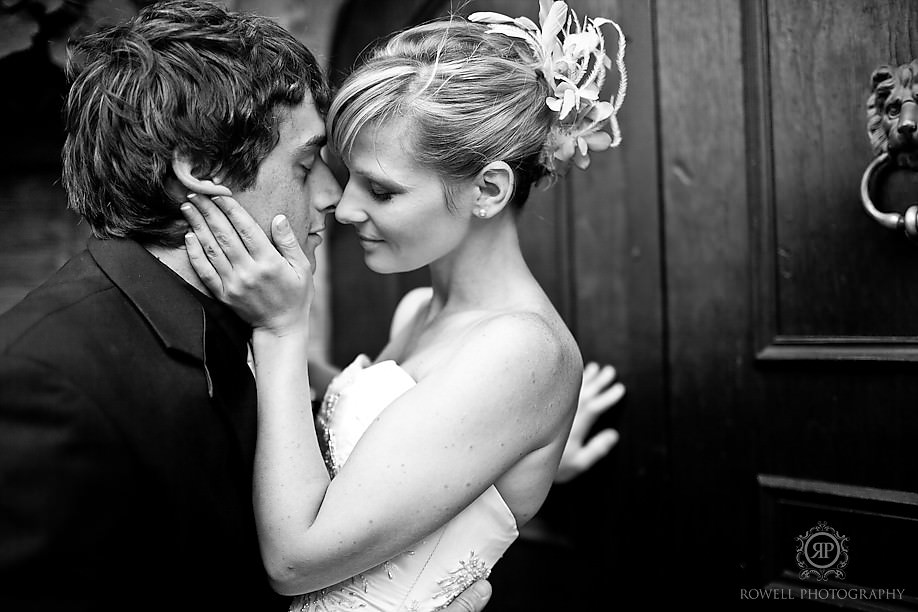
[328, 191]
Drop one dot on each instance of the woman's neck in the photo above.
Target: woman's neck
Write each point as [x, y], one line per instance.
[486, 270]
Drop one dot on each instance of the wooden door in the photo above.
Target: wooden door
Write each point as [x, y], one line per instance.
[762, 323]
[789, 348]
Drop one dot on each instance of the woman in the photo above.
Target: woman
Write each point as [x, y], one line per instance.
[448, 442]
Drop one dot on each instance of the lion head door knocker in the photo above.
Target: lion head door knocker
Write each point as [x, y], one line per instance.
[892, 125]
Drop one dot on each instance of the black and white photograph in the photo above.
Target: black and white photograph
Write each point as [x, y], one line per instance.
[458, 305]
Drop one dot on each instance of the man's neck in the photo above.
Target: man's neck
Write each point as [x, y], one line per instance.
[176, 259]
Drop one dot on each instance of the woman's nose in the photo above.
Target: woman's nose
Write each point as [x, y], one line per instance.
[349, 209]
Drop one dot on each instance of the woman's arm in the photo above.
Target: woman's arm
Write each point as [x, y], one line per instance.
[426, 457]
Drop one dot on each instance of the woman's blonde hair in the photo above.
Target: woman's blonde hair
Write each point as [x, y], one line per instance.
[470, 97]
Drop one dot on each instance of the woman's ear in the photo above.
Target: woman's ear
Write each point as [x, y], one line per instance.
[182, 167]
[495, 185]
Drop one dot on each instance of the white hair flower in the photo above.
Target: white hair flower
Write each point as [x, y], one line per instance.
[573, 61]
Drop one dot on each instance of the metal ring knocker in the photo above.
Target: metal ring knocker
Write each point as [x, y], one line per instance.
[890, 220]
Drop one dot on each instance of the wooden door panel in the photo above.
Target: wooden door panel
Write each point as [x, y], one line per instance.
[620, 508]
[889, 517]
[827, 251]
[706, 250]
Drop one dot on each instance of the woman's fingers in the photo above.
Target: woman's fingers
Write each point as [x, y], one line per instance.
[249, 233]
[287, 244]
[595, 379]
[597, 394]
[598, 447]
[202, 265]
[221, 229]
[590, 370]
[241, 239]
[205, 241]
[608, 398]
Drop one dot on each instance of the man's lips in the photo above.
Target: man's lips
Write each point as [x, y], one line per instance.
[367, 238]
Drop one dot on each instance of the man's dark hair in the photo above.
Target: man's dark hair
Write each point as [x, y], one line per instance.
[182, 76]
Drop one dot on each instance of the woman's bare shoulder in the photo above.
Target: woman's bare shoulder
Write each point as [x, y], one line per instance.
[538, 338]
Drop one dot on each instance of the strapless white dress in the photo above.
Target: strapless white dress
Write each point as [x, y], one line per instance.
[431, 573]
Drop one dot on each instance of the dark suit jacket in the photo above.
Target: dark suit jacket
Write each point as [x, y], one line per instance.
[127, 435]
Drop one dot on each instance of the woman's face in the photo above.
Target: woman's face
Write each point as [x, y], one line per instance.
[398, 208]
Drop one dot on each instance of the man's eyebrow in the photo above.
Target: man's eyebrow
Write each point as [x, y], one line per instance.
[313, 144]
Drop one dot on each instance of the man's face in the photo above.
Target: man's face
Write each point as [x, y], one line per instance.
[293, 180]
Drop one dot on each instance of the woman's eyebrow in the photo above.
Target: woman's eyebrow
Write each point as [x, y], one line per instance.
[381, 180]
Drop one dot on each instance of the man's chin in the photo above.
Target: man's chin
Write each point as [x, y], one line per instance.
[311, 245]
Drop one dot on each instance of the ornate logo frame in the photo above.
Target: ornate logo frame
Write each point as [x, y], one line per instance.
[809, 568]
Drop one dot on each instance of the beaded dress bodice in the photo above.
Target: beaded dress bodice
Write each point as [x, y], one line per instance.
[433, 571]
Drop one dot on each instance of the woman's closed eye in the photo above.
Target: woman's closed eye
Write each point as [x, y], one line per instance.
[380, 194]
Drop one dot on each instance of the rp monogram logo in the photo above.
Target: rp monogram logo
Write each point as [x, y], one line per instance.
[822, 552]
[823, 549]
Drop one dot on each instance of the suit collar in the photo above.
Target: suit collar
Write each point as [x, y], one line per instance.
[160, 295]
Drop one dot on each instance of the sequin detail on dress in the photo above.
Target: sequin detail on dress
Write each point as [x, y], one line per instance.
[325, 415]
[468, 573]
[339, 598]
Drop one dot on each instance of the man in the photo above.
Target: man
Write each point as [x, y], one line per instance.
[127, 409]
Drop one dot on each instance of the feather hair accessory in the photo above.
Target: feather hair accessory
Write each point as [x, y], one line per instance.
[573, 61]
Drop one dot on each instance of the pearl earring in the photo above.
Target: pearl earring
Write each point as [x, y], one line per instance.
[482, 213]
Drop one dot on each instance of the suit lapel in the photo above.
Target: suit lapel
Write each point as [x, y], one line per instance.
[193, 325]
[158, 294]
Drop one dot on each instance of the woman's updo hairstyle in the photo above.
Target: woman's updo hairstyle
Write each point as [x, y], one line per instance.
[470, 97]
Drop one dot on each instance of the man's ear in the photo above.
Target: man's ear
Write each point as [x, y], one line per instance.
[183, 168]
[495, 185]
